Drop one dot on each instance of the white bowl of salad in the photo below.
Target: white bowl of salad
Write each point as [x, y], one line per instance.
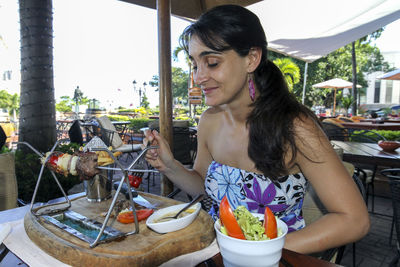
[256, 249]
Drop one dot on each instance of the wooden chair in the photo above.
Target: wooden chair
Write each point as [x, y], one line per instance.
[184, 147]
[110, 137]
[345, 119]
[8, 181]
[357, 118]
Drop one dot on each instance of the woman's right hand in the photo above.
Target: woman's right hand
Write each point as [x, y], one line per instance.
[162, 157]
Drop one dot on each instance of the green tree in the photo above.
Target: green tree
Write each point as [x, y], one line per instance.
[10, 102]
[65, 105]
[175, 55]
[145, 101]
[346, 102]
[337, 64]
[37, 120]
[154, 81]
[179, 82]
[13, 107]
[290, 71]
[4, 99]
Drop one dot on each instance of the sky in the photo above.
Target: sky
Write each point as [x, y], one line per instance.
[103, 45]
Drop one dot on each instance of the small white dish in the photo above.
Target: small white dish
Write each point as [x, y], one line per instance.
[237, 252]
[175, 224]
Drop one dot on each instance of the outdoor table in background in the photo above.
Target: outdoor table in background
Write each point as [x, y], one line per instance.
[397, 120]
[368, 153]
[121, 127]
[393, 126]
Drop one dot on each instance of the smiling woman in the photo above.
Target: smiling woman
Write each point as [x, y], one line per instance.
[258, 146]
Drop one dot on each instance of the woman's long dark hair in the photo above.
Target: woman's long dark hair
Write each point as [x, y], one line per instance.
[271, 121]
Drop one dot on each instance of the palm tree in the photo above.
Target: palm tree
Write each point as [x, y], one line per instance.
[175, 54]
[13, 107]
[346, 103]
[37, 121]
[290, 71]
[10, 102]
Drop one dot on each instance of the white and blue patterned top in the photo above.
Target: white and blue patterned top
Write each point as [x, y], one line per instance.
[255, 192]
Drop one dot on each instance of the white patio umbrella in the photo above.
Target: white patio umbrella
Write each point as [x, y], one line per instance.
[336, 84]
[392, 75]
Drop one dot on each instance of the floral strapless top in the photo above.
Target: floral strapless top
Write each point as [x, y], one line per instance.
[255, 192]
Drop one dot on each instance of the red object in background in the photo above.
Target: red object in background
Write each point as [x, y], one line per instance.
[135, 181]
[389, 146]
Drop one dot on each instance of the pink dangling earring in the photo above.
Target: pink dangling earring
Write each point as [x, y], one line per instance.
[252, 90]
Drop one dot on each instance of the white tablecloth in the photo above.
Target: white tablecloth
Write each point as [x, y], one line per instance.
[20, 244]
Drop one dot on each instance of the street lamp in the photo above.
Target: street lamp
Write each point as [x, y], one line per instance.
[134, 89]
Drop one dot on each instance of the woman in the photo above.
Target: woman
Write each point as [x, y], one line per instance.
[256, 143]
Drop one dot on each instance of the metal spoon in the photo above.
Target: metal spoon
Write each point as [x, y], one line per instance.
[191, 203]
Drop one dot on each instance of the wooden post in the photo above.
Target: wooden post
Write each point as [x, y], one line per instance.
[165, 73]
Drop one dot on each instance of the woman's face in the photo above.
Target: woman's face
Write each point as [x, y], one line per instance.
[221, 75]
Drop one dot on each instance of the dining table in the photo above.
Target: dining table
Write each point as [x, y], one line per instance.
[367, 125]
[392, 120]
[368, 153]
[10, 258]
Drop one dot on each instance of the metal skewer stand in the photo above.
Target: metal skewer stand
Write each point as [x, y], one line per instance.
[67, 200]
[126, 180]
[122, 180]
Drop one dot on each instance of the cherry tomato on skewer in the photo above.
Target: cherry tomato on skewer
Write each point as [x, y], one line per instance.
[134, 180]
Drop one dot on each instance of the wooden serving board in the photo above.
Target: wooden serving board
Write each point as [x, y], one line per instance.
[147, 248]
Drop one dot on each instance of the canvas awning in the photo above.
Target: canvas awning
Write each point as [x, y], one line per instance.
[306, 29]
[310, 29]
[392, 75]
[191, 9]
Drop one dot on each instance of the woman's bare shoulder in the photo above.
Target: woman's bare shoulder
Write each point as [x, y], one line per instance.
[310, 138]
[209, 117]
[305, 126]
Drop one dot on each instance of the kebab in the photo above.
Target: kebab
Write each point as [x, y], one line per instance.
[81, 163]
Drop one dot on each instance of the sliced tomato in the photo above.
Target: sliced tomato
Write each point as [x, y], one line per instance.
[271, 229]
[228, 220]
[127, 216]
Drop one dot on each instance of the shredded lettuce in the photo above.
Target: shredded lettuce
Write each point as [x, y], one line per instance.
[223, 230]
[252, 228]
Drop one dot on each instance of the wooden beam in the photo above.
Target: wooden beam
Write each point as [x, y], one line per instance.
[165, 73]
